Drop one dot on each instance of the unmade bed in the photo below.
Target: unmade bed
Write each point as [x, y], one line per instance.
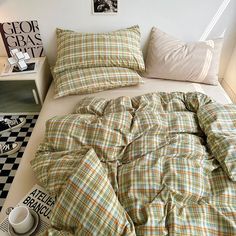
[136, 155]
[25, 178]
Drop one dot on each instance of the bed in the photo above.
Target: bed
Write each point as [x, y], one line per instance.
[75, 167]
[25, 179]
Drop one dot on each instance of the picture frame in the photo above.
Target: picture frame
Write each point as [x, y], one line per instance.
[104, 7]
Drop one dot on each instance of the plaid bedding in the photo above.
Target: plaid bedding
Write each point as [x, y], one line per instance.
[157, 164]
[93, 62]
[119, 48]
[95, 79]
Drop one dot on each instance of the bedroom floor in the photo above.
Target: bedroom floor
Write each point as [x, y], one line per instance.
[9, 164]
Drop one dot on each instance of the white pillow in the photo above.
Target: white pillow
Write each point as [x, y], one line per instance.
[170, 58]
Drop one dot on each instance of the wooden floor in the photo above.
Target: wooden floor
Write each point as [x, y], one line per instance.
[17, 98]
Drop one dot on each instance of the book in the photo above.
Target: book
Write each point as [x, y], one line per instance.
[39, 200]
[23, 35]
[14, 70]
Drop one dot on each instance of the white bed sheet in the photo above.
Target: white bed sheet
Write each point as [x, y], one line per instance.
[25, 178]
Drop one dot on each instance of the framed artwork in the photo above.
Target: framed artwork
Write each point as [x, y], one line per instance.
[105, 7]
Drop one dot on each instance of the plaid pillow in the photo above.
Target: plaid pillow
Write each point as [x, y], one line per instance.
[119, 48]
[90, 80]
[88, 63]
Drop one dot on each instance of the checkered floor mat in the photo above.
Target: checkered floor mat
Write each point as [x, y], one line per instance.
[9, 164]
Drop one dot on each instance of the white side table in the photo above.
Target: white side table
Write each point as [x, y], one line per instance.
[38, 82]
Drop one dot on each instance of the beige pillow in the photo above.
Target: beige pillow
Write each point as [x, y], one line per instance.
[170, 58]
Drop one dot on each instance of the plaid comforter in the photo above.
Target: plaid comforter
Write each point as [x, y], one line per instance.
[157, 164]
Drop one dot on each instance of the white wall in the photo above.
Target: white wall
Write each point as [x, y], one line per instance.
[185, 19]
[229, 82]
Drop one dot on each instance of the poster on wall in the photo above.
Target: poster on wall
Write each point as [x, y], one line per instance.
[23, 35]
[105, 6]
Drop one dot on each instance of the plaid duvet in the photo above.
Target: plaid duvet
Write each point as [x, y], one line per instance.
[157, 164]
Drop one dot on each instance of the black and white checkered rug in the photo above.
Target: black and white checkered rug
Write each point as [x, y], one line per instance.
[9, 164]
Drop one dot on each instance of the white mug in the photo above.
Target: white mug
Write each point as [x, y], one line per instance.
[21, 219]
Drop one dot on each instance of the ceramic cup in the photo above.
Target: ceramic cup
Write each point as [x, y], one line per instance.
[21, 219]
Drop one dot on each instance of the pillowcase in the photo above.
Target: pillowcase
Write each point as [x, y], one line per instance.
[95, 79]
[170, 58]
[82, 58]
[120, 48]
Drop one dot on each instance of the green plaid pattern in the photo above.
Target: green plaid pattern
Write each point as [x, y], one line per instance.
[219, 122]
[90, 80]
[119, 48]
[88, 63]
[149, 165]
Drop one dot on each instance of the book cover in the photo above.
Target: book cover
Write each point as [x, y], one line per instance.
[41, 202]
[23, 35]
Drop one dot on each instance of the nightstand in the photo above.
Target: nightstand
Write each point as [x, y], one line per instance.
[22, 93]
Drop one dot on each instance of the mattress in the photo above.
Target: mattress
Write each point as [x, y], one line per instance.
[25, 179]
